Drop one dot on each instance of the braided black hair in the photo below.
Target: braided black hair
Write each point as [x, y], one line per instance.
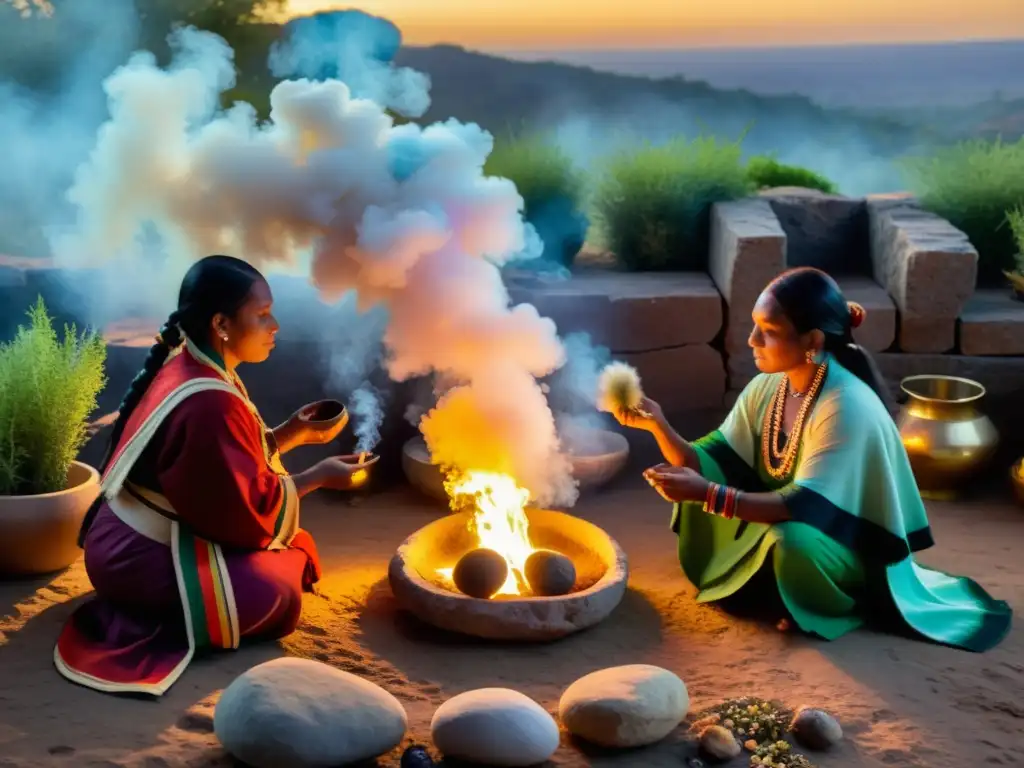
[213, 285]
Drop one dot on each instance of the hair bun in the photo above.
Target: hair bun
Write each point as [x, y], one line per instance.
[857, 313]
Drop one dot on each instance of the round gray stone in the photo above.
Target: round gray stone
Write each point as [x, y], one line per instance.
[628, 706]
[494, 726]
[816, 728]
[304, 714]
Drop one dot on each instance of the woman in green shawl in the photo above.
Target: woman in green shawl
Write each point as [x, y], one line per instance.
[809, 469]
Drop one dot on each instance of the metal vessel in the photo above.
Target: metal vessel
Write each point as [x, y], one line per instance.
[949, 440]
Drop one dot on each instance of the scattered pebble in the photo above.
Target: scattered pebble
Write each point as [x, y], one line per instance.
[417, 756]
[816, 729]
[749, 719]
[718, 743]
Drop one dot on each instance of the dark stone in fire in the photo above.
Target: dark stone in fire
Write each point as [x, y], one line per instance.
[480, 573]
[549, 573]
[417, 756]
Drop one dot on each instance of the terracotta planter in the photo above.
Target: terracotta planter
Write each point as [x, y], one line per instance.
[39, 534]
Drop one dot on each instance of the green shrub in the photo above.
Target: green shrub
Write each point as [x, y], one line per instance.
[654, 203]
[765, 171]
[48, 388]
[552, 189]
[538, 168]
[973, 184]
[1015, 218]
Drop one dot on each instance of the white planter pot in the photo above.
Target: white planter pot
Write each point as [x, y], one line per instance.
[39, 534]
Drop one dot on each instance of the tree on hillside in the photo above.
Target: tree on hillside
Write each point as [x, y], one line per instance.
[40, 40]
[234, 20]
[228, 18]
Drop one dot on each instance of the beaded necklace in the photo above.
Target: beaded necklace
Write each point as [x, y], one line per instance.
[771, 430]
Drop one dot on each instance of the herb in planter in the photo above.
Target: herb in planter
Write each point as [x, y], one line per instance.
[48, 388]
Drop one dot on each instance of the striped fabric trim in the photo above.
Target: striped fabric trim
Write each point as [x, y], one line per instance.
[287, 523]
[117, 473]
[211, 615]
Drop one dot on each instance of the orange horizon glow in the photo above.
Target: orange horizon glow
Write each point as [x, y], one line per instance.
[576, 24]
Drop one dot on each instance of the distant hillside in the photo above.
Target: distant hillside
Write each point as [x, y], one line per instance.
[501, 93]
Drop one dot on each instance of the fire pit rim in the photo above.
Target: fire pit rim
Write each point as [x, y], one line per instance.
[524, 618]
[620, 568]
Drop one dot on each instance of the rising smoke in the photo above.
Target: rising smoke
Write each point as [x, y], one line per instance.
[51, 104]
[403, 215]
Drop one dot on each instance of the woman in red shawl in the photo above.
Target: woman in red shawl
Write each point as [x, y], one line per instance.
[194, 542]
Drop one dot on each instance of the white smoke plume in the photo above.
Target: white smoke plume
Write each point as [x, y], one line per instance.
[402, 214]
[357, 49]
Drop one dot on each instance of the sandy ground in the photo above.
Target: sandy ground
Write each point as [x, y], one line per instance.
[901, 702]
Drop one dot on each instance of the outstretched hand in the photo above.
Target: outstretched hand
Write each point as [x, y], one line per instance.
[645, 417]
[676, 484]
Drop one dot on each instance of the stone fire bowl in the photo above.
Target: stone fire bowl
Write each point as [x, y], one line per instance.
[597, 456]
[602, 570]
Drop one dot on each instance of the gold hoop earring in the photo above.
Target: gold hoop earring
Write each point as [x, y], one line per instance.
[811, 357]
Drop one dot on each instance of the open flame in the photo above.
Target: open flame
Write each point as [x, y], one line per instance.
[499, 521]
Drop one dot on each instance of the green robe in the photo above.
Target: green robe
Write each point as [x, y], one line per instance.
[856, 518]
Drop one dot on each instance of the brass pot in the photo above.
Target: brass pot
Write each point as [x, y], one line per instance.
[1017, 480]
[949, 441]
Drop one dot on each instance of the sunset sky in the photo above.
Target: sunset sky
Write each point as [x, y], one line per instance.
[554, 24]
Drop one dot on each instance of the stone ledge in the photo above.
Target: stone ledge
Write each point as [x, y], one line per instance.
[999, 375]
[682, 378]
[992, 323]
[748, 249]
[927, 265]
[629, 312]
[878, 331]
[826, 231]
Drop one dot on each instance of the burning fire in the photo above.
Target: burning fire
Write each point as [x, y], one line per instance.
[499, 521]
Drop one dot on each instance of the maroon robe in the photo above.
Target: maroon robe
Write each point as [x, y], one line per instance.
[197, 544]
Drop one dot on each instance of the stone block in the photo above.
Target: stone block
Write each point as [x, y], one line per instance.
[748, 250]
[992, 323]
[826, 231]
[629, 312]
[1001, 376]
[927, 265]
[926, 334]
[878, 332]
[681, 378]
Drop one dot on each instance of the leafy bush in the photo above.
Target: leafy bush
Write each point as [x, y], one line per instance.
[552, 190]
[1015, 218]
[48, 388]
[654, 203]
[765, 171]
[973, 184]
